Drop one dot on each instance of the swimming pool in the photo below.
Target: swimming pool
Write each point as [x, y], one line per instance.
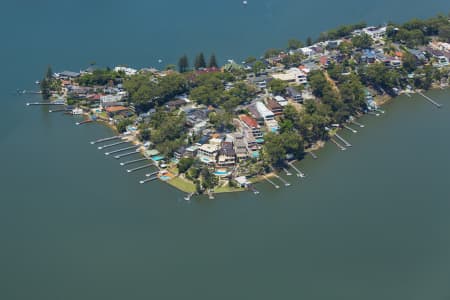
[164, 178]
[158, 157]
[221, 173]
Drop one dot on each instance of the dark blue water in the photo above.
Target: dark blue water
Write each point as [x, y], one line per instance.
[368, 223]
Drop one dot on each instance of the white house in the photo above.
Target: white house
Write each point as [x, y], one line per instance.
[126, 70]
[293, 75]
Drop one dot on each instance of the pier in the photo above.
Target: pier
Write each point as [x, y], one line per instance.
[105, 139]
[252, 188]
[299, 173]
[151, 174]
[283, 180]
[56, 110]
[271, 182]
[83, 122]
[147, 180]
[188, 196]
[123, 149]
[313, 155]
[351, 129]
[111, 145]
[347, 144]
[372, 113]
[132, 161]
[430, 100]
[287, 172]
[358, 124]
[44, 103]
[126, 154]
[139, 168]
[342, 148]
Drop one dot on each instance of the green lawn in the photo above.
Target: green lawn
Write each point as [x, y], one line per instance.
[182, 184]
[228, 189]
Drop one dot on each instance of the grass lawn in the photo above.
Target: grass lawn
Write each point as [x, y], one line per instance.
[227, 189]
[182, 184]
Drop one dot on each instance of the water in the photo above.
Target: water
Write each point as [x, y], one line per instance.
[367, 223]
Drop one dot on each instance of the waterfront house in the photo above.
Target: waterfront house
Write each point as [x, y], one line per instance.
[227, 155]
[250, 124]
[255, 113]
[275, 107]
[240, 147]
[207, 153]
[179, 153]
[67, 75]
[272, 125]
[110, 100]
[292, 75]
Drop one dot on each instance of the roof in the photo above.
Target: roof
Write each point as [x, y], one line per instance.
[249, 121]
[112, 109]
[69, 74]
[273, 105]
[263, 110]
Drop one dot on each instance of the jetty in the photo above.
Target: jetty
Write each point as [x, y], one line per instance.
[299, 173]
[123, 149]
[430, 100]
[271, 182]
[148, 179]
[188, 196]
[347, 144]
[287, 172]
[139, 168]
[111, 145]
[132, 161]
[253, 189]
[44, 103]
[126, 154]
[358, 124]
[351, 129]
[151, 174]
[342, 148]
[283, 180]
[372, 113]
[105, 139]
[83, 122]
[56, 110]
[313, 155]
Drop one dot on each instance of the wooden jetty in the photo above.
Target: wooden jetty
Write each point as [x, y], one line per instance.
[430, 100]
[271, 182]
[347, 144]
[139, 168]
[111, 145]
[123, 149]
[132, 161]
[342, 148]
[106, 139]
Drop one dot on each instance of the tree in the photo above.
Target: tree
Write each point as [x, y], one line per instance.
[200, 61]
[271, 53]
[49, 73]
[277, 86]
[409, 62]
[362, 41]
[183, 64]
[258, 66]
[294, 44]
[309, 41]
[273, 150]
[122, 125]
[212, 61]
[184, 164]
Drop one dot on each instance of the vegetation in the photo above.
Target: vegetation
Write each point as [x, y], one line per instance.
[100, 77]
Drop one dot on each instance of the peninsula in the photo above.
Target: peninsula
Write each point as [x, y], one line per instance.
[211, 128]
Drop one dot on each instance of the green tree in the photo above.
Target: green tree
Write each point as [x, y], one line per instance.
[362, 41]
[200, 61]
[184, 164]
[212, 61]
[183, 64]
[294, 44]
[409, 62]
[258, 67]
[309, 41]
[277, 86]
[49, 73]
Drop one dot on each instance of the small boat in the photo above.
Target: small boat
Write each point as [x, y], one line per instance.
[37, 82]
[244, 2]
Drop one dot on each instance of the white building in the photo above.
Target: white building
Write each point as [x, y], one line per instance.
[207, 153]
[265, 113]
[108, 100]
[281, 100]
[126, 70]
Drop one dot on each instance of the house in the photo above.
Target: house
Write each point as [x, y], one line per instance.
[281, 100]
[174, 104]
[179, 153]
[275, 107]
[191, 151]
[265, 113]
[294, 94]
[126, 70]
[240, 147]
[207, 153]
[227, 155]
[110, 100]
[272, 125]
[250, 124]
[67, 75]
[255, 113]
[368, 56]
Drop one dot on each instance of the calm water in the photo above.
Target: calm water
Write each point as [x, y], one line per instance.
[368, 223]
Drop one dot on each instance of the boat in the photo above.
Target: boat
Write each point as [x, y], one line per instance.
[37, 82]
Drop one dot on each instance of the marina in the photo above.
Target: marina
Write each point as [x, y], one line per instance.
[299, 173]
[148, 179]
[350, 129]
[271, 182]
